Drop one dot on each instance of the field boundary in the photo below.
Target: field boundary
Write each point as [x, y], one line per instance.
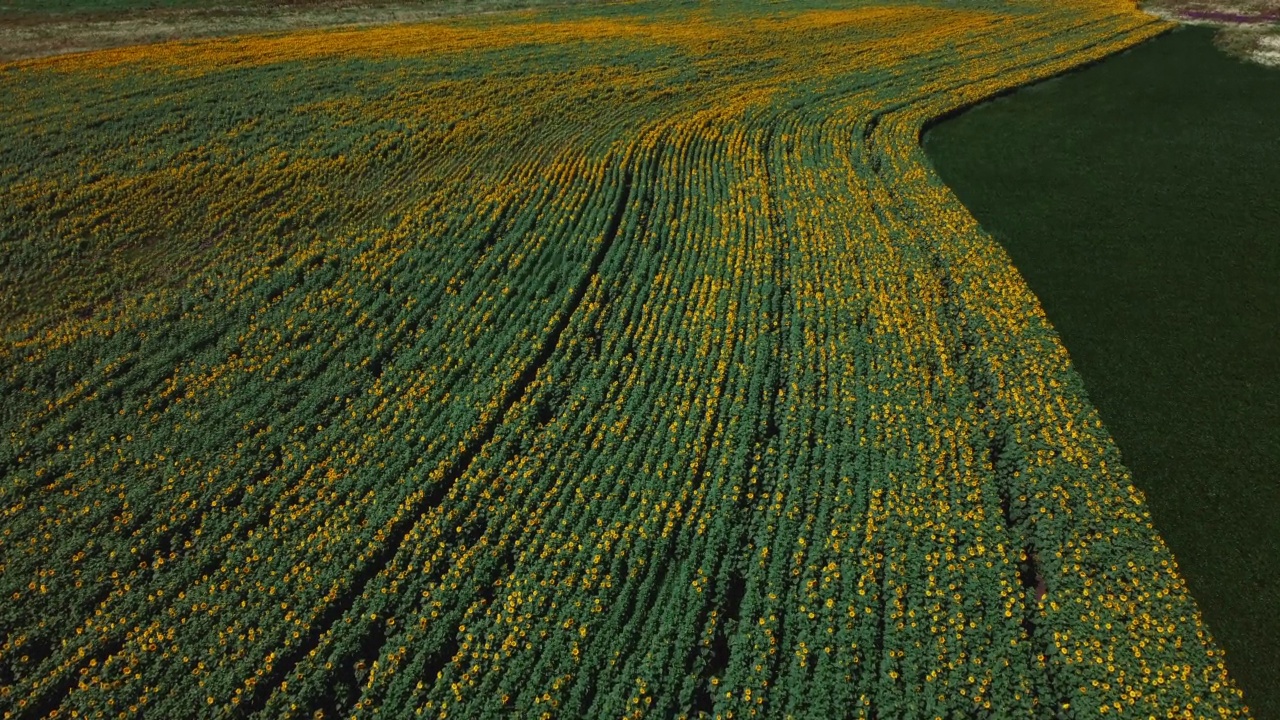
[29, 36]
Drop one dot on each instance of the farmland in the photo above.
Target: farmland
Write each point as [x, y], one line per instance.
[611, 361]
[1137, 197]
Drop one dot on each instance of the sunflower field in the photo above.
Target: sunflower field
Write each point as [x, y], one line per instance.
[607, 361]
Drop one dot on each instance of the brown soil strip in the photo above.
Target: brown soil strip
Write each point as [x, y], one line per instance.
[29, 35]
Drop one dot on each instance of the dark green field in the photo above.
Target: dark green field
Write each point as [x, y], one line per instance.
[1140, 198]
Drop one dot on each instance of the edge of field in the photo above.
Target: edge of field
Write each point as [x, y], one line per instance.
[27, 34]
[1136, 373]
[1245, 29]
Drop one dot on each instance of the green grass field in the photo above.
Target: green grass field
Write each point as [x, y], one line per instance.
[1140, 198]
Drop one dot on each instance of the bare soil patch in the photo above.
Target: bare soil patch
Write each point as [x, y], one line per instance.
[1247, 29]
[25, 34]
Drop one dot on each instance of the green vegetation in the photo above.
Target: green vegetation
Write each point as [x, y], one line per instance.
[1140, 198]
[602, 362]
